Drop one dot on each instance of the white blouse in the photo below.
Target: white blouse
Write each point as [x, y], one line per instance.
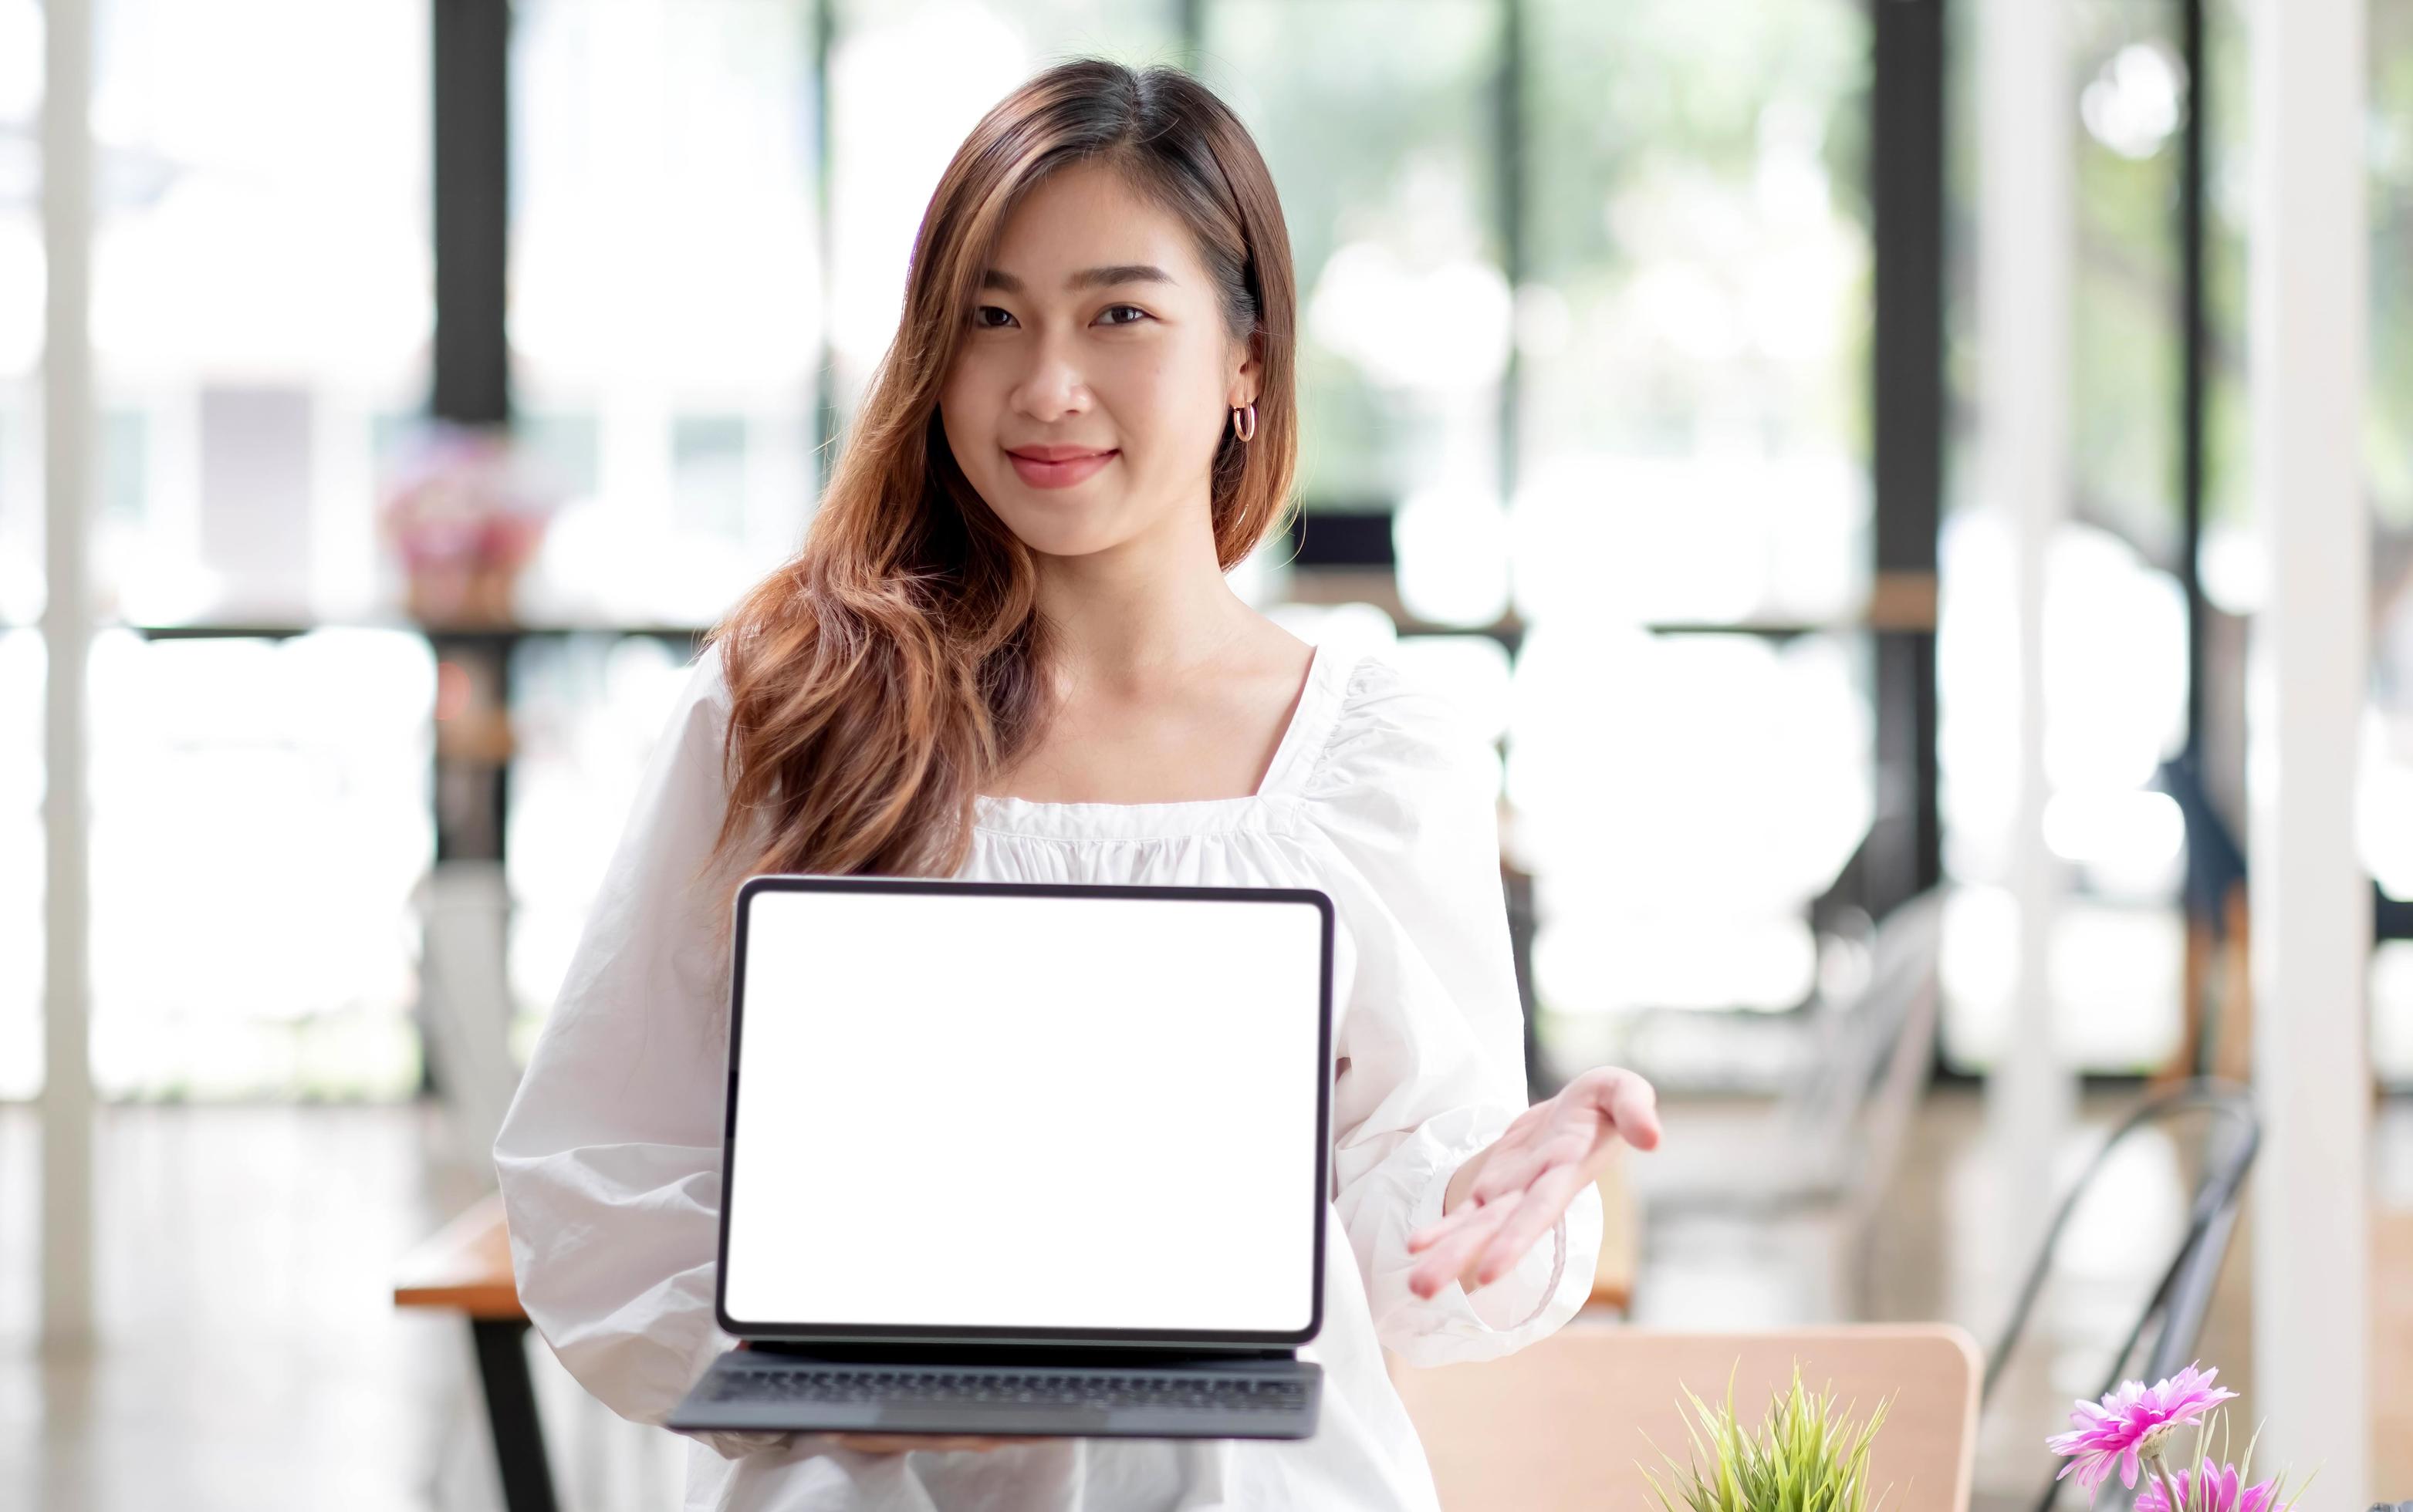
[609, 1156]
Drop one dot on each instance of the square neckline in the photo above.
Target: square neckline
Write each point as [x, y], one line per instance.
[1301, 739]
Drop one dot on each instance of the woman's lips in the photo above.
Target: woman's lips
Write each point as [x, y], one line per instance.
[1057, 475]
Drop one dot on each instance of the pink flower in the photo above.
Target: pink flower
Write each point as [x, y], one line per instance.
[2132, 1422]
[2214, 1489]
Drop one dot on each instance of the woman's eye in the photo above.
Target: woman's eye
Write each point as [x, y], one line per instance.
[979, 323]
[1135, 310]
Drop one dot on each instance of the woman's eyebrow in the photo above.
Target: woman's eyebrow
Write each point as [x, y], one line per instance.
[1125, 273]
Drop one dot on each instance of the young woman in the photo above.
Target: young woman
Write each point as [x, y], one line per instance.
[1007, 650]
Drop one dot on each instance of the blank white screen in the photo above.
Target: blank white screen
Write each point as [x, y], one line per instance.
[1016, 1111]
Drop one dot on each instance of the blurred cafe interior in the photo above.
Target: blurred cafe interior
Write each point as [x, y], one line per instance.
[1918, 493]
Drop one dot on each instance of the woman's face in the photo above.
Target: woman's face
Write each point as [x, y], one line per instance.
[1094, 379]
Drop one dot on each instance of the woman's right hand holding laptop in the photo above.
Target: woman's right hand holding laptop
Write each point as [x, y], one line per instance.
[735, 1445]
[903, 1443]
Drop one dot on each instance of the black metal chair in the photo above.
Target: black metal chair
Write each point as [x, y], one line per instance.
[2183, 1296]
[1832, 1142]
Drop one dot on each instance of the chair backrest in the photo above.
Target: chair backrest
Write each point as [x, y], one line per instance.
[1570, 1422]
[1876, 1050]
[2183, 1296]
[2183, 1293]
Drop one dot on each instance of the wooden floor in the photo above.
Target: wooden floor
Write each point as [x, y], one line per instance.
[253, 1356]
[253, 1360]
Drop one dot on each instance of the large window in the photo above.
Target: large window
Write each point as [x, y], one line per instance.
[21, 944]
[586, 711]
[1692, 334]
[260, 314]
[260, 819]
[2386, 806]
[1695, 325]
[1378, 120]
[260, 304]
[20, 552]
[666, 308]
[21, 285]
[1584, 327]
[2115, 647]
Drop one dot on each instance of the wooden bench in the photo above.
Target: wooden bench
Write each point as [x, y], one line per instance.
[466, 1269]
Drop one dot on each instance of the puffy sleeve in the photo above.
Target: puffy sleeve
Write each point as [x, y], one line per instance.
[1432, 1033]
[609, 1158]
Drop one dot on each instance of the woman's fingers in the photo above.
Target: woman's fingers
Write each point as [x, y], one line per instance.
[1514, 1170]
[1450, 1255]
[1509, 1168]
[1441, 1227]
[1573, 1132]
[1631, 1103]
[1544, 1200]
[1530, 1175]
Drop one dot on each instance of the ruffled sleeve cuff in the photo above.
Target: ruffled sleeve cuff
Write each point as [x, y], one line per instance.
[1534, 1298]
[1517, 1301]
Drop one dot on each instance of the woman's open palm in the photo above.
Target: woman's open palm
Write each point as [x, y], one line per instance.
[1531, 1173]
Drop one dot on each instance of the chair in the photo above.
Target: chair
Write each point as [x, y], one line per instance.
[2182, 1295]
[1832, 1141]
[1570, 1422]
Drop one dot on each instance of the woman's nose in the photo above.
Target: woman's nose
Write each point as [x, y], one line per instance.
[1054, 384]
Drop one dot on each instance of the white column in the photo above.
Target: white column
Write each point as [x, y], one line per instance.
[2305, 684]
[66, 632]
[2025, 247]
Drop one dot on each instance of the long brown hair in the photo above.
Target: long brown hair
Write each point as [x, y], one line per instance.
[895, 664]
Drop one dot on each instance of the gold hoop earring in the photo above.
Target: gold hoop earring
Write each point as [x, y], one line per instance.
[1244, 422]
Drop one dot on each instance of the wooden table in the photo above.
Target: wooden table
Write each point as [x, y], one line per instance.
[466, 1269]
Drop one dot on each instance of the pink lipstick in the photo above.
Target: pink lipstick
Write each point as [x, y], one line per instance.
[1057, 467]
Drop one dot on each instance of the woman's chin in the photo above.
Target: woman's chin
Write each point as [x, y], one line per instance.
[1074, 533]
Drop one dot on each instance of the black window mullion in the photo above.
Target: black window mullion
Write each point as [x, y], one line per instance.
[472, 68]
[1906, 167]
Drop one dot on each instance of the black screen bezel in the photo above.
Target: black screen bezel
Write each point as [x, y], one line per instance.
[754, 887]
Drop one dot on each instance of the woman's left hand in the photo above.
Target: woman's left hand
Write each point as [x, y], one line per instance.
[1515, 1189]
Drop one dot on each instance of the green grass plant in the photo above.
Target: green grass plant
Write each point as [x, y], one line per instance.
[1806, 1455]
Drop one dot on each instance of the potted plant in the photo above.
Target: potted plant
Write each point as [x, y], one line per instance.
[2134, 1429]
[1806, 1455]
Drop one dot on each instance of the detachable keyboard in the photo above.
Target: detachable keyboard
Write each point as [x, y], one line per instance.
[1051, 1390]
[1209, 1398]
